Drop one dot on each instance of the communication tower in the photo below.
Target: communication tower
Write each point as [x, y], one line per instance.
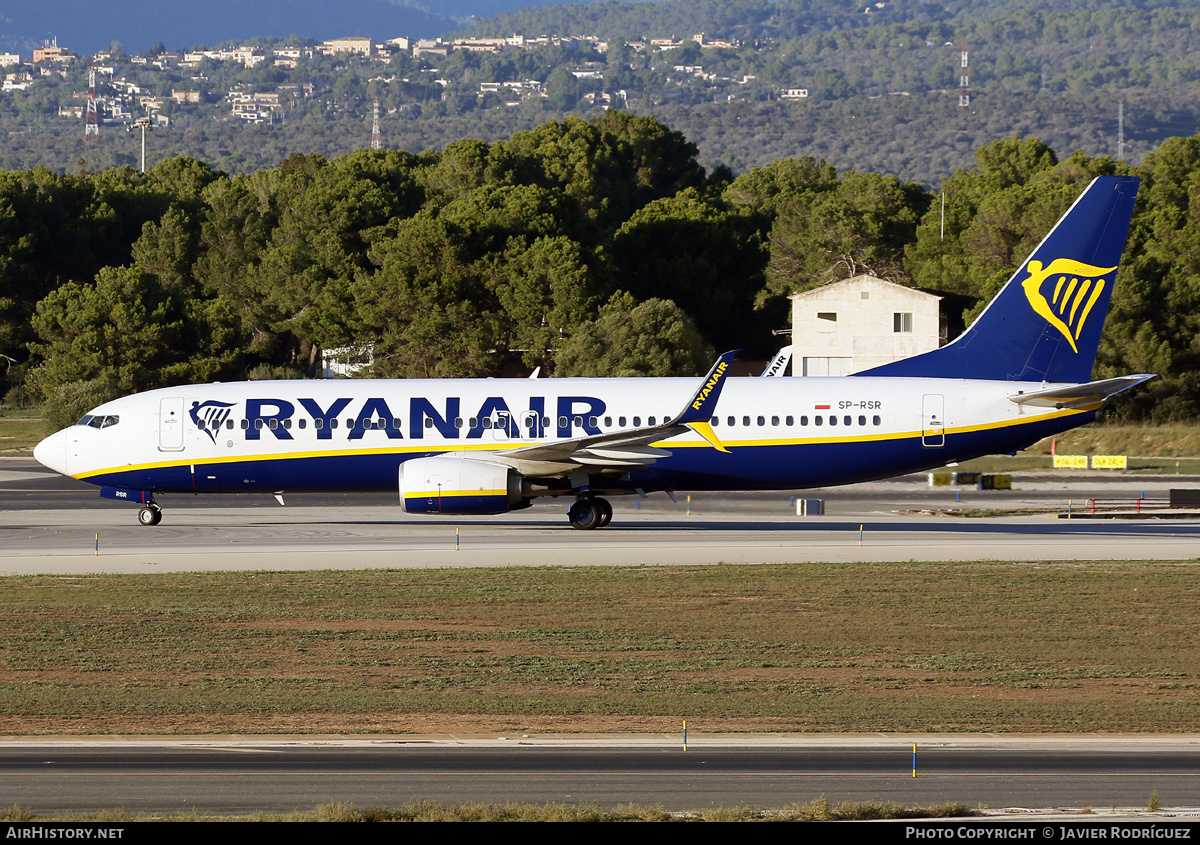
[376, 140]
[91, 122]
[964, 90]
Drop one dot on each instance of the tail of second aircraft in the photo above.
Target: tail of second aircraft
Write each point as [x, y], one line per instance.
[1045, 323]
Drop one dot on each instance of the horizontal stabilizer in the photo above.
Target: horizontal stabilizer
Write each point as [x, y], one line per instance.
[1080, 396]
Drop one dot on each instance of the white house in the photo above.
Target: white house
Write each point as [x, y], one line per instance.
[859, 323]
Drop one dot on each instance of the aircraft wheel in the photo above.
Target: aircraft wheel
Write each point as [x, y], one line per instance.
[150, 515]
[584, 514]
[605, 512]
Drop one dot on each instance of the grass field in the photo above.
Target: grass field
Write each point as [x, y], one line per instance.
[20, 431]
[1007, 647]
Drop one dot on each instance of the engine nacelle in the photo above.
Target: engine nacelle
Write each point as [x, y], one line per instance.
[456, 485]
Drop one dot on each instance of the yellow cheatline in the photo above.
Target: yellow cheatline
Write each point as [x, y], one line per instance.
[449, 494]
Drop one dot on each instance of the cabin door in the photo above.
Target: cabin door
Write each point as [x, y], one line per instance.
[933, 423]
[170, 424]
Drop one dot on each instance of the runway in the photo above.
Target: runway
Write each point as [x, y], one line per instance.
[56, 525]
[227, 776]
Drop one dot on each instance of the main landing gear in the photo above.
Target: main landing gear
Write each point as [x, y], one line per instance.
[590, 512]
[151, 514]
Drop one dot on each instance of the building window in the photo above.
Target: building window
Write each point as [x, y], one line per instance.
[827, 321]
[902, 322]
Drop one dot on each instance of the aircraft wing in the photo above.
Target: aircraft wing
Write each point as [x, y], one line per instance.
[629, 448]
[1087, 396]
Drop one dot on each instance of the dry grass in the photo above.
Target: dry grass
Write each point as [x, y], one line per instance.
[431, 811]
[1026, 646]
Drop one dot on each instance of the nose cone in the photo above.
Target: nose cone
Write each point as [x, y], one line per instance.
[52, 452]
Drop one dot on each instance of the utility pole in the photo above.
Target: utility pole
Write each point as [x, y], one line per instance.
[1121, 131]
[142, 123]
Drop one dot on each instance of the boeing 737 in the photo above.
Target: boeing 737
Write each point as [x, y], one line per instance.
[1019, 373]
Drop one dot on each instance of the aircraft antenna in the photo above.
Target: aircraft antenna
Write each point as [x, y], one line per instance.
[91, 122]
[964, 90]
[376, 139]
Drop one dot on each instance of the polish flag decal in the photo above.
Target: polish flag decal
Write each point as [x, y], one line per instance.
[821, 407]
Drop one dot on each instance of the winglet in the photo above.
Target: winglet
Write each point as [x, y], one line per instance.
[699, 409]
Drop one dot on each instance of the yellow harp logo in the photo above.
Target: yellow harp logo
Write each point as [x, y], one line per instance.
[1077, 286]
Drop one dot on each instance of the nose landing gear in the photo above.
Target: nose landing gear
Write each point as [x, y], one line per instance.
[151, 514]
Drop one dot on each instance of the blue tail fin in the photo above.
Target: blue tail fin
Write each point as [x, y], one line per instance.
[1045, 323]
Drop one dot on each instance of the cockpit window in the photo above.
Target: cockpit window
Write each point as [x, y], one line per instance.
[99, 421]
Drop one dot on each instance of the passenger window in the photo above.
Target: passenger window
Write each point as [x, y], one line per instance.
[474, 423]
[274, 423]
[302, 423]
[318, 424]
[637, 421]
[790, 420]
[875, 420]
[832, 419]
[621, 422]
[258, 424]
[592, 422]
[578, 422]
[819, 420]
[396, 423]
[762, 421]
[458, 422]
[862, 420]
[774, 420]
[745, 421]
[229, 423]
[651, 421]
[714, 421]
[333, 423]
[731, 420]
[804, 421]
[608, 422]
[287, 423]
[848, 420]
[562, 422]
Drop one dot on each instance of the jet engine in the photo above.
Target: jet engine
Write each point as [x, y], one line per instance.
[457, 485]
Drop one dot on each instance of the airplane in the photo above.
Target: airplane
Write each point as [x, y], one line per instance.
[1018, 374]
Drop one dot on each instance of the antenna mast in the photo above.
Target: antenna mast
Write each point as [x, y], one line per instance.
[91, 123]
[964, 90]
[376, 139]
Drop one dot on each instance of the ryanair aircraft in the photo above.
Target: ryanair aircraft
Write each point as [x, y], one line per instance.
[474, 446]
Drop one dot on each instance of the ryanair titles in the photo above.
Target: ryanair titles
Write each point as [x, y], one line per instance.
[709, 386]
[350, 419]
